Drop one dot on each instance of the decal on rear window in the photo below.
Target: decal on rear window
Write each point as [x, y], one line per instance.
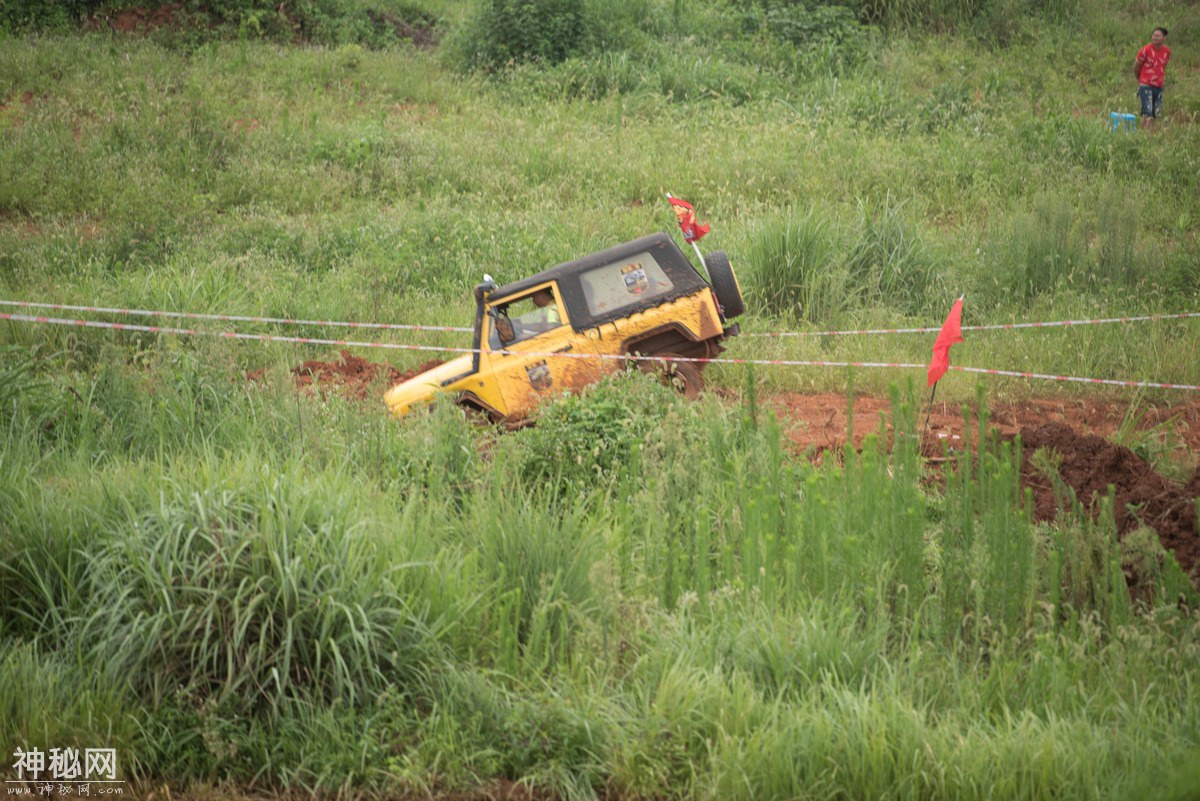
[627, 282]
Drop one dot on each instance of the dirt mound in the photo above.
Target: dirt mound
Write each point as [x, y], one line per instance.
[135, 20]
[817, 423]
[351, 375]
[1091, 463]
[819, 420]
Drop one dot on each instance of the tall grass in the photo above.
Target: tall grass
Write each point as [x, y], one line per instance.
[641, 596]
[795, 270]
[818, 269]
[49, 696]
[662, 630]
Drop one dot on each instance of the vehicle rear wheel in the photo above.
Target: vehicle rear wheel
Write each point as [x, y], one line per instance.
[725, 284]
[682, 376]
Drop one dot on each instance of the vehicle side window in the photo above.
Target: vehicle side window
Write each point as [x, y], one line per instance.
[623, 283]
[530, 315]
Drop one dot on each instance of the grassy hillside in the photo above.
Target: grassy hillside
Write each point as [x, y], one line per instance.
[640, 597]
[362, 184]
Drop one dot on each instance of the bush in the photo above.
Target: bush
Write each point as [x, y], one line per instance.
[478, 730]
[829, 34]
[1055, 243]
[1039, 248]
[513, 31]
[584, 440]
[888, 259]
[375, 23]
[1183, 271]
[248, 591]
[47, 697]
[992, 18]
[43, 15]
[674, 71]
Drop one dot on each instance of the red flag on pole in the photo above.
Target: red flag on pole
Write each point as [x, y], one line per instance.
[686, 215]
[951, 333]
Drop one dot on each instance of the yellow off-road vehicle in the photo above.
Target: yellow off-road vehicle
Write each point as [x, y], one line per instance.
[531, 337]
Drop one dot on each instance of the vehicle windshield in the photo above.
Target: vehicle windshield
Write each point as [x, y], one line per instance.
[623, 283]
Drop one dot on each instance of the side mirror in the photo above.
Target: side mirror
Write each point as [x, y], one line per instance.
[504, 328]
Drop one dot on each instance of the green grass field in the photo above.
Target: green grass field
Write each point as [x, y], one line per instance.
[238, 586]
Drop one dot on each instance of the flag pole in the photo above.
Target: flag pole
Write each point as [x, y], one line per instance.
[928, 411]
[695, 247]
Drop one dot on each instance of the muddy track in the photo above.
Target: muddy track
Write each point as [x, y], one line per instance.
[1079, 430]
[350, 376]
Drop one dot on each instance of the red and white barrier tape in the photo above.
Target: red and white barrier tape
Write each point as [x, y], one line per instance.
[1108, 381]
[237, 318]
[991, 327]
[154, 329]
[560, 354]
[460, 329]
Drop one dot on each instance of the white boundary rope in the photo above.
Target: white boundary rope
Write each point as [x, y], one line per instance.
[991, 327]
[238, 318]
[567, 355]
[1045, 376]
[460, 329]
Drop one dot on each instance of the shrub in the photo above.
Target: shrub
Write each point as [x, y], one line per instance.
[546, 737]
[47, 697]
[1183, 271]
[1039, 248]
[1116, 237]
[248, 590]
[584, 440]
[675, 71]
[43, 15]
[888, 259]
[370, 22]
[829, 33]
[512, 31]
[1056, 243]
[807, 267]
[992, 18]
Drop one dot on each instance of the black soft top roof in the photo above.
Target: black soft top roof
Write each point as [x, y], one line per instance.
[661, 246]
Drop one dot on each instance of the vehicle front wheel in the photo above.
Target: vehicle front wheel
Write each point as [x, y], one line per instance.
[682, 376]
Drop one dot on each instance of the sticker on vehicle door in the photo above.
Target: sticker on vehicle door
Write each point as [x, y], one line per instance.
[539, 376]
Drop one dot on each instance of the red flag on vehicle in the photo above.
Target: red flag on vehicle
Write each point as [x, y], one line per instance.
[951, 332]
[686, 215]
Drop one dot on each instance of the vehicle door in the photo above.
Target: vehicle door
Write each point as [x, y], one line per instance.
[533, 351]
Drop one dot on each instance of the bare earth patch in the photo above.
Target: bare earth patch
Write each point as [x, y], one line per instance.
[351, 376]
[1076, 429]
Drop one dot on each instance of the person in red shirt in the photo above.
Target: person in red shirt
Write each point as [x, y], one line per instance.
[1150, 70]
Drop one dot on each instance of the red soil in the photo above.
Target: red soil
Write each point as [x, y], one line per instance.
[133, 20]
[351, 375]
[819, 420]
[1075, 429]
[1090, 464]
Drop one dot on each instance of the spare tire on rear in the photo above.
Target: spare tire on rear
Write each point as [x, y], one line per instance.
[724, 284]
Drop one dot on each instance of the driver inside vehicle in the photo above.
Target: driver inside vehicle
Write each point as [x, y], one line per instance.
[545, 314]
[529, 316]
